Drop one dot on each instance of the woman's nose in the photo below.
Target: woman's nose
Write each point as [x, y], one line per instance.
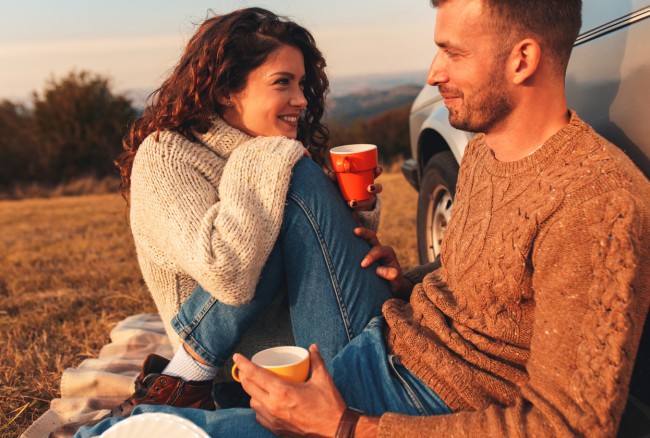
[298, 99]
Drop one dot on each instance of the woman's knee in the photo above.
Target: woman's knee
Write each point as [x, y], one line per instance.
[309, 177]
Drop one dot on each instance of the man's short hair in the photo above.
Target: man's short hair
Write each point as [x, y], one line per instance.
[555, 24]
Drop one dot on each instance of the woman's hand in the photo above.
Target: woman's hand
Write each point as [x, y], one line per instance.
[389, 268]
[312, 408]
[374, 189]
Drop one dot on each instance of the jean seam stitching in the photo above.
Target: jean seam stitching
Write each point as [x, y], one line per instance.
[409, 391]
[328, 261]
[205, 355]
[185, 332]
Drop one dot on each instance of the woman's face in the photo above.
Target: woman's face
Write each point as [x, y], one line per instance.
[272, 100]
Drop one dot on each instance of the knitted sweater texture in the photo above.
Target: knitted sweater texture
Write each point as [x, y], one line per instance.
[531, 325]
[209, 212]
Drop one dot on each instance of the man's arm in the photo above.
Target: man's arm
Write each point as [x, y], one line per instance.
[389, 267]
[417, 274]
[592, 294]
[591, 299]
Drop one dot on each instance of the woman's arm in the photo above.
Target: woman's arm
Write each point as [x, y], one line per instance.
[219, 237]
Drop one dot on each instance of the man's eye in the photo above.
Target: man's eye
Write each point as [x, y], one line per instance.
[449, 53]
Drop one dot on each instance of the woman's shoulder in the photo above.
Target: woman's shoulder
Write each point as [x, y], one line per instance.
[170, 146]
[166, 141]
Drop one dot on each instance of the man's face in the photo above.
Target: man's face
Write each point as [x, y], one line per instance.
[469, 68]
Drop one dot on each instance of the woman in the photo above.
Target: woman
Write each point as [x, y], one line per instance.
[223, 208]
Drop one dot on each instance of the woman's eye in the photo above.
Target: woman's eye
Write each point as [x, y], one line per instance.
[283, 81]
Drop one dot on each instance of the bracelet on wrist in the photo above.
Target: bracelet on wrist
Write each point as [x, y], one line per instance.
[348, 423]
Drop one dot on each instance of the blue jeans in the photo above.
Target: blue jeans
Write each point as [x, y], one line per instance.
[368, 377]
[332, 303]
[317, 257]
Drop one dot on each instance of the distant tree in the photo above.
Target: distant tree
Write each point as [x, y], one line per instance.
[389, 131]
[18, 144]
[79, 124]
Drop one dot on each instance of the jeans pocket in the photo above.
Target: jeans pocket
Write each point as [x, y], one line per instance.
[415, 400]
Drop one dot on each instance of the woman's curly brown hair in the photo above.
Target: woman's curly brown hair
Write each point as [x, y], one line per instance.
[216, 63]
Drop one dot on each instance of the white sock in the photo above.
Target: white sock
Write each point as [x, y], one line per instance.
[189, 369]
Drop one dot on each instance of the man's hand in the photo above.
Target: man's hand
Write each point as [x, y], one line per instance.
[389, 265]
[374, 189]
[312, 408]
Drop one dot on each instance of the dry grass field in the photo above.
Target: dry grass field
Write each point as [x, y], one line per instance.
[68, 274]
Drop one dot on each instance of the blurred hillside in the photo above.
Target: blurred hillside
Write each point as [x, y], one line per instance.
[64, 142]
[348, 109]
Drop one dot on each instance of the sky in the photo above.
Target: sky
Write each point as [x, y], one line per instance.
[137, 42]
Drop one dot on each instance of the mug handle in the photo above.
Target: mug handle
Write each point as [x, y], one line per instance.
[342, 162]
[235, 373]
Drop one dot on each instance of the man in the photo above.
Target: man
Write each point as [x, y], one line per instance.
[531, 323]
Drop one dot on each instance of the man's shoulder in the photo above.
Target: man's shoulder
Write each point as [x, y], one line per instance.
[592, 163]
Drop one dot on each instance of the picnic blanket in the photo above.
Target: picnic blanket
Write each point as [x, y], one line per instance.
[96, 385]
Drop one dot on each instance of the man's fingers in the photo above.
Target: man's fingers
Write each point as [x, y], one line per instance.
[388, 272]
[317, 363]
[257, 381]
[367, 234]
[376, 253]
[261, 414]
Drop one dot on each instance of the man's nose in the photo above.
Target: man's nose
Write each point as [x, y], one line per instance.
[437, 72]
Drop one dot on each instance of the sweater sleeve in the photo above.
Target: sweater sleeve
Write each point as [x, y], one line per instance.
[417, 274]
[370, 219]
[221, 239]
[591, 296]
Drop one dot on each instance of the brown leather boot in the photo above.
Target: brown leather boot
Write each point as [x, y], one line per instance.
[153, 388]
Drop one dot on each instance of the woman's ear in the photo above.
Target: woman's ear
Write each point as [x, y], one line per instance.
[223, 100]
[524, 60]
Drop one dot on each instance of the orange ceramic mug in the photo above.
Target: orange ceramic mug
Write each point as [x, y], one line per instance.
[290, 363]
[354, 165]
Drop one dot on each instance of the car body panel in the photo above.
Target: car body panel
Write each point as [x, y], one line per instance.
[436, 118]
[612, 92]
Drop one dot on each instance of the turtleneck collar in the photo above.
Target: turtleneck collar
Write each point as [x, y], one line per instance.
[540, 157]
[222, 138]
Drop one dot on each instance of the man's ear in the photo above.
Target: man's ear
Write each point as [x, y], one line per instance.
[524, 60]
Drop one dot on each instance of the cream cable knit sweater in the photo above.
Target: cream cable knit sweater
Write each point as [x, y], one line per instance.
[209, 213]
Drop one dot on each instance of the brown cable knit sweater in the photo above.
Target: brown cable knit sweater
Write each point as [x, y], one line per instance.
[530, 327]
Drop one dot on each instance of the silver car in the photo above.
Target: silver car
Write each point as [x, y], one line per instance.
[608, 84]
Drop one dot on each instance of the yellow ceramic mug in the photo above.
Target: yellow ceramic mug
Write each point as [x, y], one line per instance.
[290, 363]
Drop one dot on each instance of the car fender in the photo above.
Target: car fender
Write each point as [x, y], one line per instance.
[438, 122]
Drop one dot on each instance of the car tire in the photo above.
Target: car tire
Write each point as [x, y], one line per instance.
[435, 202]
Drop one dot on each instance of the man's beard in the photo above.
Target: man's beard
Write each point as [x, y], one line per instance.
[486, 107]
